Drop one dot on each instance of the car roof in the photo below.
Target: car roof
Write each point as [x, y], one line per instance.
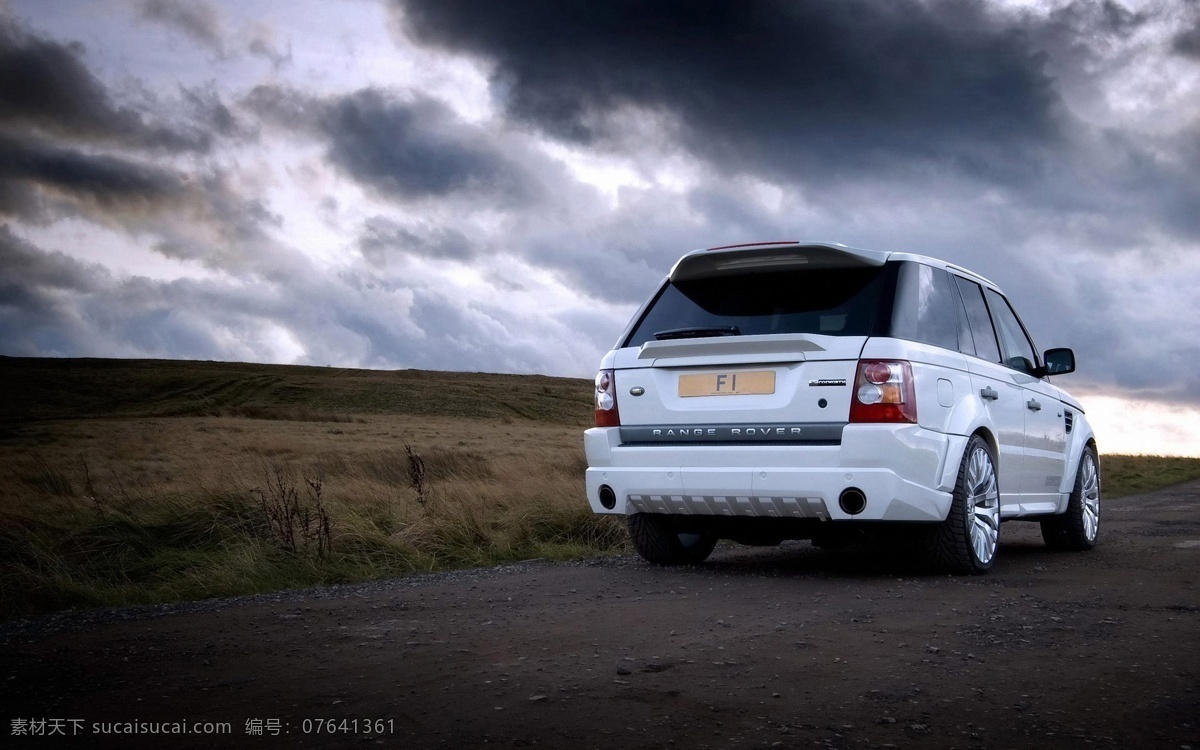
[794, 255]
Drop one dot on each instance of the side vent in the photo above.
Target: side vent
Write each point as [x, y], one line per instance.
[1070, 416]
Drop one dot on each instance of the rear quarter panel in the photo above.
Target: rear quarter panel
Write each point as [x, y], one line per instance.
[942, 383]
[946, 399]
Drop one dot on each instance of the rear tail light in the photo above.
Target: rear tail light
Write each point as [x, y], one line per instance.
[606, 400]
[883, 392]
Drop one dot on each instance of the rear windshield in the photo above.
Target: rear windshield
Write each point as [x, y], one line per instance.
[833, 302]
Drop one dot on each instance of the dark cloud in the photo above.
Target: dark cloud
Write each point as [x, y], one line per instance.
[284, 106]
[1122, 189]
[407, 149]
[619, 256]
[1187, 42]
[36, 316]
[264, 47]
[45, 85]
[18, 199]
[1103, 20]
[108, 183]
[196, 19]
[54, 305]
[208, 112]
[1118, 332]
[414, 149]
[198, 217]
[381, 237]
[942, 98]
[35, 269]
[769, 85]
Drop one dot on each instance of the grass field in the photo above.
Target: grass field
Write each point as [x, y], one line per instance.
[126, 481]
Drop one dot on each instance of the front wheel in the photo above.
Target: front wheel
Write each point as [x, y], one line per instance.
[966, 541]
[657, 541]
[1078, 527]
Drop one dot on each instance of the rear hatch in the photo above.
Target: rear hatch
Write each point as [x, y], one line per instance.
[758, 343]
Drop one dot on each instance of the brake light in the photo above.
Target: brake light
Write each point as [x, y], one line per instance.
[606, 400]
[883, 392]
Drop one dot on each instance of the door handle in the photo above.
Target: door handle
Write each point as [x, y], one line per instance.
[1033, 405]
[988, 394]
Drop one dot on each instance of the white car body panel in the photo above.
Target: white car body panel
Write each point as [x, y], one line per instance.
[906, 471]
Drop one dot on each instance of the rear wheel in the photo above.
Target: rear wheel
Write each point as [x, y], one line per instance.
[1078, 527]
[966, 541]
[656, 539]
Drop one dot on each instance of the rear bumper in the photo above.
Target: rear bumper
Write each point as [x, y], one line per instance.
[903, 472]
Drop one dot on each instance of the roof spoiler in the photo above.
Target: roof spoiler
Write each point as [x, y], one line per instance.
[774, 256]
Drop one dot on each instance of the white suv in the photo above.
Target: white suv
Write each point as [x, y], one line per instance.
[814, 391]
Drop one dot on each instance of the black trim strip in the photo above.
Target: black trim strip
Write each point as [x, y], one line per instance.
[789, 433]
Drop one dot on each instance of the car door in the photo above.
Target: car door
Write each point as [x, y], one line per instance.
[1045, 438]
[1000, 395]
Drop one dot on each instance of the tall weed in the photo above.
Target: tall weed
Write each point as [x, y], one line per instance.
[122, 535]
[298, 522]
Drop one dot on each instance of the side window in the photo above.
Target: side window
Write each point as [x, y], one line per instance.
[966, 343]
[984, 337]
[1014, 342]
[926, 307]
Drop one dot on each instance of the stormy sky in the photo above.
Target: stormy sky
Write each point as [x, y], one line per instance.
[495, 186]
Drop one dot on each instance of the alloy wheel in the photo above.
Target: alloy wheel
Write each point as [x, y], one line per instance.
[983, 505]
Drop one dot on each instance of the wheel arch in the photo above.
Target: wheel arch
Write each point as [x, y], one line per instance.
[1082, 438]
[957, 446]
[993, 446]
[966, 541]
[967, 418]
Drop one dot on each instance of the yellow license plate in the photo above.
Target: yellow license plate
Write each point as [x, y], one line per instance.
[727, 383]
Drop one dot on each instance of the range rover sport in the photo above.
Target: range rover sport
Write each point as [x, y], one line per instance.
[815, 391]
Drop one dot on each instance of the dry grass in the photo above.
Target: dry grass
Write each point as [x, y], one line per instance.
[129, 497]
[1134, 475]
[119, 511]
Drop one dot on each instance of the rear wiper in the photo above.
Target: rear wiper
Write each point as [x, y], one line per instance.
[699, 332]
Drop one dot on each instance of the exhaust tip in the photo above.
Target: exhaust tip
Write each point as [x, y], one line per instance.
[852, 501]
[608, 498]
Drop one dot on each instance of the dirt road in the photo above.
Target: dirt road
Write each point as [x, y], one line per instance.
[782, 647]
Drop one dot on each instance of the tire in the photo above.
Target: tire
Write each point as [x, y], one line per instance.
[657, 541]
[1078, 528]
[966, 542]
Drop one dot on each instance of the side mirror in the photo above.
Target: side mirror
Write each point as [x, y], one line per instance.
[1058, 362]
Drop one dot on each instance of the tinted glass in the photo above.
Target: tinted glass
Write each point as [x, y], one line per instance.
[966, 342]
[1014, 342]
[926, 306]
[834, 302]
[982, 334]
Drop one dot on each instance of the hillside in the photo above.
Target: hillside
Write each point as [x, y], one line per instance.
[42, 389]
[145, 480]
